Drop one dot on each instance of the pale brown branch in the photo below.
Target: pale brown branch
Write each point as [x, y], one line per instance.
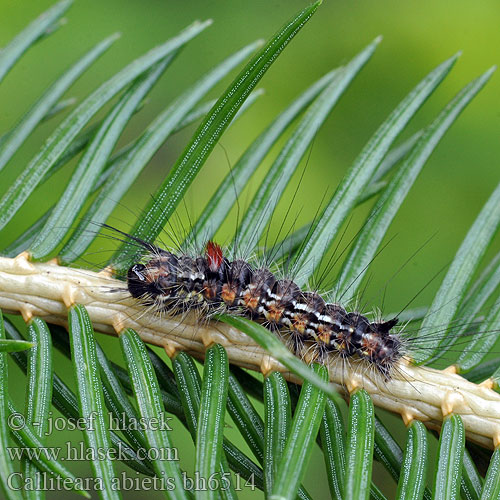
[47, 290]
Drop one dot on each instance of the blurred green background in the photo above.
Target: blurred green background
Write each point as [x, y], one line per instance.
[418, 36]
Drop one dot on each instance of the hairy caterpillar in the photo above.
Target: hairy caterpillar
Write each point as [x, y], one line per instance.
[210, 282]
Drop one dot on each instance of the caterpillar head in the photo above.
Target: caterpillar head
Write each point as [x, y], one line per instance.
[137, 282]
[156, 277]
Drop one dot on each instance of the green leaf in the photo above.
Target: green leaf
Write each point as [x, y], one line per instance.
[244, 467]
[141, 152]
[371, 190]
[201, 110]
[271, 343]
[151, 410]
[57, 108]
[376, 494]
[394, 156]
[294, 240]
[491, 488]
[495, 377]
[77, 145]
[277, 414]
[482, 341]
[360, 441]
[345, 197]
[479, 293]
[38, 391]
[471, 305]
[230, 188]
[253, 386]
[10, 54]
[456, 281]
[289, 245]
[448, 472]
[45, 104]
[57, 143]
[65, 401]
[246, 418]
[167, 197]
[333, 442]
[189, 382]
[117, 402]
[265, 200]
[24, 240]
[90, 397]
[387, 450]
[81, 141]
[210, 431]
[166, 377]
[277, 417]
[93, 161]
[122, 155]
[53, 111]
[26, 437]
[170, 401]
[197, 112]
[410, 315]
[411, 483]
[15, 345]
[6, 465]
[300, 442]
[472, 483]
[483, 371]
[374, 229]
[482, 288]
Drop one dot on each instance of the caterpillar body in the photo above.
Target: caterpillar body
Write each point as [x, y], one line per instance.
[212, 283]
